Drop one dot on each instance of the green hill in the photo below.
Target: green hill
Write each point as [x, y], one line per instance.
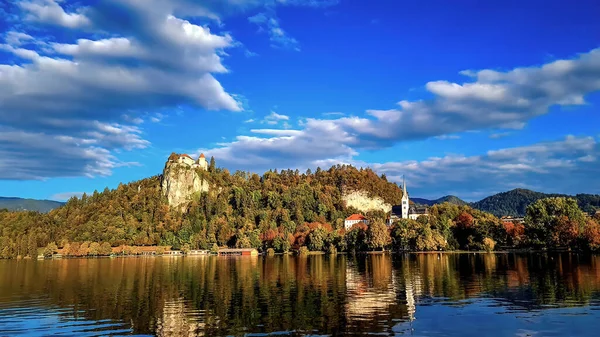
[449, 198]
[515, 202]
[19, 204]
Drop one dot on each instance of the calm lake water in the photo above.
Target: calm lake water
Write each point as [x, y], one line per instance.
[384, 295]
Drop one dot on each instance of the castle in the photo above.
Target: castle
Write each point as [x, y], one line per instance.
[189, 161]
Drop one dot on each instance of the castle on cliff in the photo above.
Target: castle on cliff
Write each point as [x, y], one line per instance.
[189, 161]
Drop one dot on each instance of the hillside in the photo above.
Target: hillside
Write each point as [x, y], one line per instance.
[515, 202]
[19, 204]
[239, 210]
[449, 198]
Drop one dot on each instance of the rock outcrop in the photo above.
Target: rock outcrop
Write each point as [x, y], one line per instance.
[361, 201]
[180, 182]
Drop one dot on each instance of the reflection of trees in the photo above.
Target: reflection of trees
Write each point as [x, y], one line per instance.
[213, 296]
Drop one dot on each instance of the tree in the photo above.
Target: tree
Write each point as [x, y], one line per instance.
[378, 236]
[212, 166]
[489, 244]
[32, 247]
[94, 249]
[105, 249]
[185, 249]
[50, 249]
[316, 239]
[551, 215]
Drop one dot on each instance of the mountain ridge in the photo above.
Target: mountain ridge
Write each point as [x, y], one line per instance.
[26, 204]
[514, 202]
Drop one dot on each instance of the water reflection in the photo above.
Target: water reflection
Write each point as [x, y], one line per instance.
[418, 294]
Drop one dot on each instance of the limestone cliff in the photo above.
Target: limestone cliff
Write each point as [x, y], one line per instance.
[180, 182]
[361, 201]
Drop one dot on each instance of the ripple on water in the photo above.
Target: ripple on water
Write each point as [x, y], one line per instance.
[35, 317]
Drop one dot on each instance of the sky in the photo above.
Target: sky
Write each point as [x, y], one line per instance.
[470, 99]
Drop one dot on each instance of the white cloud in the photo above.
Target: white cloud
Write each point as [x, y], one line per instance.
[274, 118]
[66, 196]
[447, 137]
[88, 96]
[50, 12]
[494, 100]
[279, 38]
[565, 166]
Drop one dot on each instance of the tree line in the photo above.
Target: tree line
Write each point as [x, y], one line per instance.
[282, 211]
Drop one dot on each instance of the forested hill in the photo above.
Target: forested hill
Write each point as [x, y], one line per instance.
[19, 204]
[240, 209]
[449, 198]
[515, 202]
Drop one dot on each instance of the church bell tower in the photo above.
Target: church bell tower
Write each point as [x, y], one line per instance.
[405, 201]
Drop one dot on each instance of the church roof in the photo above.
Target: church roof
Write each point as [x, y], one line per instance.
[186, 155]
[356, 217]
[202, 155]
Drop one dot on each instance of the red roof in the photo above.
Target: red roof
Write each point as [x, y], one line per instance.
[201, 155]
[356, 217]
[186, 155]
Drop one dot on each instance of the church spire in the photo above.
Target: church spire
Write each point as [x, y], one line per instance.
[403, 186]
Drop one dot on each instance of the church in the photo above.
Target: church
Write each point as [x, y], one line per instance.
[405, 210]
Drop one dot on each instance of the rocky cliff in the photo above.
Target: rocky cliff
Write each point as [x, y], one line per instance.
[180, 182]
[361, 201]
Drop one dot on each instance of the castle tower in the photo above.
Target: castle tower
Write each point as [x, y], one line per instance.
[202, 162]
[405, 200]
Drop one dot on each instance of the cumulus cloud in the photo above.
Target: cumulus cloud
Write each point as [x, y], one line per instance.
[78, 102]
[494, 99]
[565, 166]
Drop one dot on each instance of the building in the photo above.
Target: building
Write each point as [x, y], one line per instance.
[185, 159]
[202, 162]
[405, 210]
[189, 161]
[198, 252]
[354, 219]
[516, 220]
[405, 206]
[238, 252]
[417, 211]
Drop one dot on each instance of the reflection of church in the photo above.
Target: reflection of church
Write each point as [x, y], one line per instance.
[382, 289]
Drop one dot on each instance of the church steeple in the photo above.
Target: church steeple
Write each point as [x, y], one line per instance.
[405, 200]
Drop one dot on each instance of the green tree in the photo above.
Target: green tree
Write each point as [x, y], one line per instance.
[546, 218]
[316, 239]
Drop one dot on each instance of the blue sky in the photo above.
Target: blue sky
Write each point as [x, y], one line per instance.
[470, 99]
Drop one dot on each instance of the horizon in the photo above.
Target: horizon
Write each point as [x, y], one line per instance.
[469, 101]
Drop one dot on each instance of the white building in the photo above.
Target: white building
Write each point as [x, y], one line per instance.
[187, 160]
[405, 201]
[405, 210]
[354, 219]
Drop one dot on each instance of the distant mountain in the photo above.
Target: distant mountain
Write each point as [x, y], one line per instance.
[449, 198]
[515, 202]
[19, 204]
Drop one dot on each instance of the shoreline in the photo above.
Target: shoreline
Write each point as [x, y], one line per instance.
[388, 252]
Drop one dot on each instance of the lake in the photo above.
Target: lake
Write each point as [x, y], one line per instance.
[460, 294]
